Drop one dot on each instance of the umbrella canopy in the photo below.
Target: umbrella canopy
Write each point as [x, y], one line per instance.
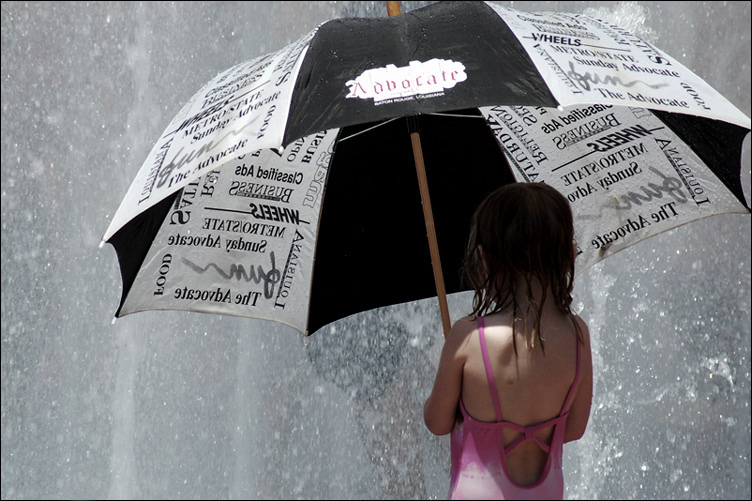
[285, 188]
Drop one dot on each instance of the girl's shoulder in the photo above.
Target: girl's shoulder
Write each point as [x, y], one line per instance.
[582, 327]
[470, 321]
[462, 331]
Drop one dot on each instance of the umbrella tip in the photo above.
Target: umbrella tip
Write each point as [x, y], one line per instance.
[560, 108]
[101, 244]
[114, 319]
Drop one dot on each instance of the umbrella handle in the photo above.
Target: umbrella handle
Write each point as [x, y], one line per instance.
[393, 8]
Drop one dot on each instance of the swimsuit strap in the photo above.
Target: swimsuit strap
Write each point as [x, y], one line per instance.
[489, 370]
[529, 432]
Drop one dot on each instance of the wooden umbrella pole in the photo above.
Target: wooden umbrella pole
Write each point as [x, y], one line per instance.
[433, 244]
[393, 8]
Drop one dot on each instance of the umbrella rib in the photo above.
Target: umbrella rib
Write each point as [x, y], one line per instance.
[457, 116]
[392, 119]
[368, 129]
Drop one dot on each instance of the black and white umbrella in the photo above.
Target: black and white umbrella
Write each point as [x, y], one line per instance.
[286, 188]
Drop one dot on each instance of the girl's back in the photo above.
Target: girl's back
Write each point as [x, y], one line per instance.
[531, 386]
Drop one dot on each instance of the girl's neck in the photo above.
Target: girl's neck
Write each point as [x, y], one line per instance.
[536, 292]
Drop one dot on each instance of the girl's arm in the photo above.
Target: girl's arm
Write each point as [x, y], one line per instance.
[440, 410]
[579, 412]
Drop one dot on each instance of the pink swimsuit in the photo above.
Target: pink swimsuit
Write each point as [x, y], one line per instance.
[479, 458]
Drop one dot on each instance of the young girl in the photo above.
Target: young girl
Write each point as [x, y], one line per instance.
[515, 378]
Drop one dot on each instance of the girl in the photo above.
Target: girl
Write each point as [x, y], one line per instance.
[515, 378]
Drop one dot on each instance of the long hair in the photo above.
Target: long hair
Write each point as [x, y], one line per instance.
[521, 234]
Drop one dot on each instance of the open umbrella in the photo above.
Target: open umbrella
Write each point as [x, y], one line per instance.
[285, 189]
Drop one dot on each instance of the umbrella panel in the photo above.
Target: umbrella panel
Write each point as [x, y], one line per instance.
[718, 144]
[498, 69]
[132, 242]
[372, 240]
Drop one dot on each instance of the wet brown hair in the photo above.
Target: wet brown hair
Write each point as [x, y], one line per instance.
[521, 233]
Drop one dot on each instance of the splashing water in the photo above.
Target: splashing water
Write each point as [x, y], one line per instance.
[177, 405]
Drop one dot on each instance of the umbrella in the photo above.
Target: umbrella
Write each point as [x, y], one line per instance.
[286, 188]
